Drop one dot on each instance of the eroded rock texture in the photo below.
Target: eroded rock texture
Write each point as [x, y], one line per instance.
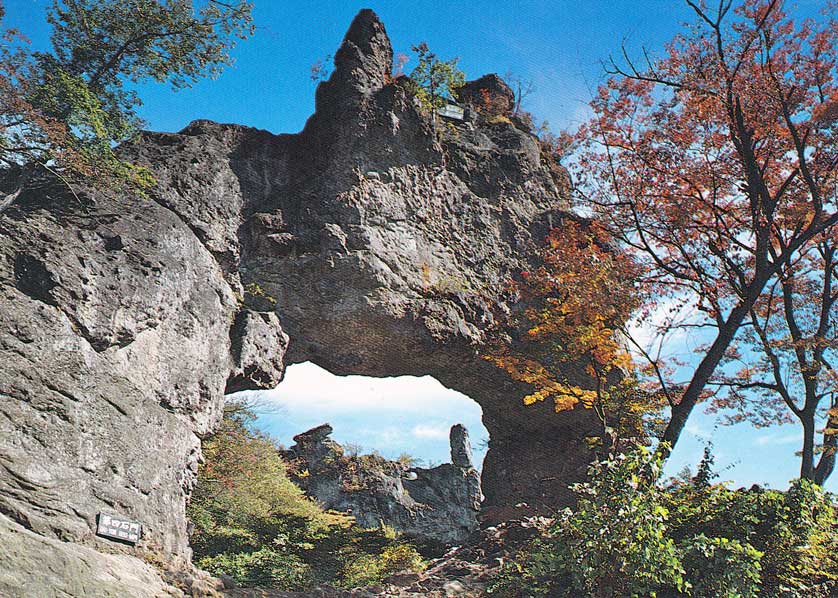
[381, 247]
[384, 248]
[118, 335]
[437, 504]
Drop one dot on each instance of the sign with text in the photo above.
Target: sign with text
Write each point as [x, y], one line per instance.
[452, 111]
[119, 528]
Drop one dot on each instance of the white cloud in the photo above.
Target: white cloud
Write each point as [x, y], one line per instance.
[311, 387]
[777, 439]
[697, 431]
[428, 431]
[391, 415]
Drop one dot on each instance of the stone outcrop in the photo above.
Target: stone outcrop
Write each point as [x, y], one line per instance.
[488, 92]
[379, 246]
[119, 331]
[385, 248]
[438, 504]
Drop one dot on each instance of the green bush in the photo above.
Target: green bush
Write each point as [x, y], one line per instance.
[613, 544]
[368, 569]
[721, 568]
[265, 567]
[630, 536]
[252, 523]
[796, 531]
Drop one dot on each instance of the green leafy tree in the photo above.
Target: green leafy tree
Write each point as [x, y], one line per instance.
[629, 535]
[434, 80]
[66, 109]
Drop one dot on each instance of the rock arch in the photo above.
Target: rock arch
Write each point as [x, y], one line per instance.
[382, 249]
[376, 248]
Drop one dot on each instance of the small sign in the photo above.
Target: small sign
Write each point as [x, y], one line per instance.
[117, 527]
[452, 111]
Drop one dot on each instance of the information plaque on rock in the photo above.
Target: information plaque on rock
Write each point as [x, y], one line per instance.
[117, 527]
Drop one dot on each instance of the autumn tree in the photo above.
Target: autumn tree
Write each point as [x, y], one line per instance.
[715, 167]
[66, 109]
[788, 348]
[569, 315]
[521, 90]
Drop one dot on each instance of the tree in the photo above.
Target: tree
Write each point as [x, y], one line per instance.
[434, 80]
[715, 167]
[521, 88]
[66, 109]
[569, 312]
[792, 330]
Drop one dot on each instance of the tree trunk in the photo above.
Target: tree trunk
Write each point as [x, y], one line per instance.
[807, 460]
[683, 409]
[826, 464]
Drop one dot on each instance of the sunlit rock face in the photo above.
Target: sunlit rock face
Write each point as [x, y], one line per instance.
[384, 248]
[431, 504]
[378, 246]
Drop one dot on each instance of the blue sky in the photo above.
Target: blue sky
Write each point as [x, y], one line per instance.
[559, 45]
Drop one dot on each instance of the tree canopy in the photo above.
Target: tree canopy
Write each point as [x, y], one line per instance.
[66, 108]
[434, 80]
[714, 166]
[569, 313]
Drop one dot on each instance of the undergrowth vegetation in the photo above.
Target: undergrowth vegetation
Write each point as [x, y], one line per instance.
[254, 525]
[631, 535]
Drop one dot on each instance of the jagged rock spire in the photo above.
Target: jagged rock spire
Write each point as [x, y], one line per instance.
[460, 446]
[363, 62]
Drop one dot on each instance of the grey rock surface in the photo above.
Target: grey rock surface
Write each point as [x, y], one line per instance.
[386, 248]
[118, 335]
[34, 566]
[460, 446]
[488, 87]
[382, 246]
[438, 504]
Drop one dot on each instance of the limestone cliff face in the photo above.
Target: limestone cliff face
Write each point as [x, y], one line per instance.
[118, 335]
[436, 504]
[377, 246]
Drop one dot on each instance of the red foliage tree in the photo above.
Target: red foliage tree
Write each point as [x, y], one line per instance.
[715, 165]
[790, 339]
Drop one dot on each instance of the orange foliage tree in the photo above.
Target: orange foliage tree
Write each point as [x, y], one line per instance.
[715, 166]
[567, 317]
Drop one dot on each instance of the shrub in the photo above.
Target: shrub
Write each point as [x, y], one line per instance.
[721, 568]
[796, 531]
[628, 536]
[613, 544]
[265, 567]
[500, 118]
[252, 523]
[368, 569]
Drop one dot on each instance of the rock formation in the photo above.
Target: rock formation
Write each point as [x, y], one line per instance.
[380, 246]
[118, 336]
[438, 504]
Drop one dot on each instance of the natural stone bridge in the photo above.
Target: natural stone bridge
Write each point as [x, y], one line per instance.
[375, 247]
